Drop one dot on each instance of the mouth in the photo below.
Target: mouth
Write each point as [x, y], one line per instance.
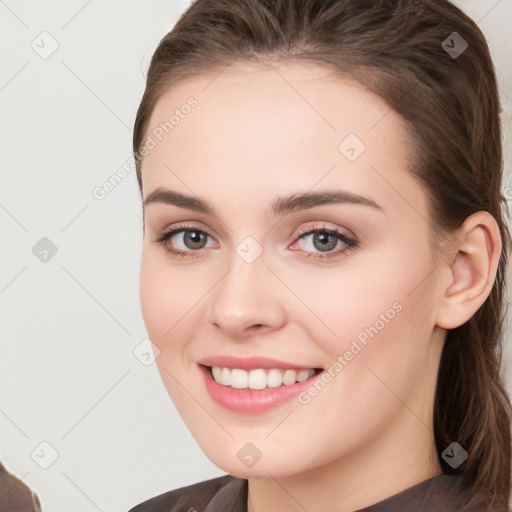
[254, 384]
[259, 378]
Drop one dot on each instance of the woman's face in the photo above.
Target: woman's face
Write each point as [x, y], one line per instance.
[250, 297]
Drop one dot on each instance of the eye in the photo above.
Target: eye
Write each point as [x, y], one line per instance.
[189, 240]
[325, 240]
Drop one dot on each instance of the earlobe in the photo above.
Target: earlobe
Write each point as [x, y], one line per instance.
[471, 273]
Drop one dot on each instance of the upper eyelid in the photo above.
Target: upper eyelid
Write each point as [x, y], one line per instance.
[323, 226]
[300, 231]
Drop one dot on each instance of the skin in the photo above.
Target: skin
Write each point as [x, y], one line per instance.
[260, 132]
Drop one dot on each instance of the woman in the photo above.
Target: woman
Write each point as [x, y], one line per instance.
[324, 256]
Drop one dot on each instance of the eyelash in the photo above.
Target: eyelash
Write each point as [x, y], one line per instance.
[351, 243]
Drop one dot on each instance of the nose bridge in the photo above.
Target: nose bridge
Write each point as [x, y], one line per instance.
[246, 296]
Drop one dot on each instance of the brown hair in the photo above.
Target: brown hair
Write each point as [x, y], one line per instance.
[393, 48]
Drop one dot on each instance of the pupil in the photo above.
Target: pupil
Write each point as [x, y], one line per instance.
[324, 237]
[195, 238]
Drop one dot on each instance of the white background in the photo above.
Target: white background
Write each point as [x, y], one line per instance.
[68, 327]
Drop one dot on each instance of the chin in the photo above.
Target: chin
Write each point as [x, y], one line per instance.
[276, 465]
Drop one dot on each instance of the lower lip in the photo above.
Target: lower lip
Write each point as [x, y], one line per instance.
[258, 400]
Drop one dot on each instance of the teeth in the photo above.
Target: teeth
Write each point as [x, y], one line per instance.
[289, 377]
[217, 373]
[274, 378]
[260, 378]
[239, 378]
[302, 375]
[225, 378]
[257, 379]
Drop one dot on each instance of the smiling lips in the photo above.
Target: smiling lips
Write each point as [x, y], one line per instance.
[253, 384]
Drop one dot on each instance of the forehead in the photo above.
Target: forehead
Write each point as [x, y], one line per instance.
[276, 127]
[240, 103]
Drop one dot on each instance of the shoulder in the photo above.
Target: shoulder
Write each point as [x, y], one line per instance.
[222, 493]
[15, 494]
[446, 492]
[454, 492]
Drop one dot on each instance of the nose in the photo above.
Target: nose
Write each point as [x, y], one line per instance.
[247, 299]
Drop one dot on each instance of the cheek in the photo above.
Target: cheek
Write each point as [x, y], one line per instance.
[386, 326]
[153, 299]
[354, 297]
[380, 310]
[165, 296]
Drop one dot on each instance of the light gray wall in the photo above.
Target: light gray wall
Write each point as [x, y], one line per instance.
[68, 328]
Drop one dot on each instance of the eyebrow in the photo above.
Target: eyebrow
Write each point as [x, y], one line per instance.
[281, 206]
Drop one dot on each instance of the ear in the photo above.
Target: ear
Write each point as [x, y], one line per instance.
[471, 272]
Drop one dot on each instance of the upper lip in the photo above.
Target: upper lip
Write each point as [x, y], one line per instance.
[250, 363]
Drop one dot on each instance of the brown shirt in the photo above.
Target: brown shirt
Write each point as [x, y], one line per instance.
[16, 496]
[443, 493]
